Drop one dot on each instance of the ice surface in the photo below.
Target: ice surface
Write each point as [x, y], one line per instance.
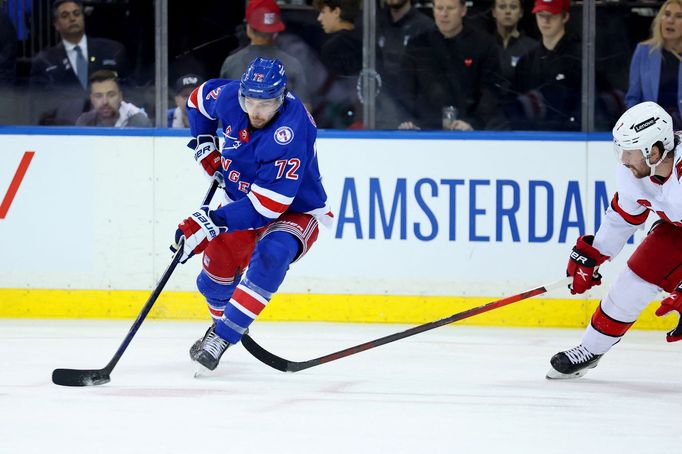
[451, 390]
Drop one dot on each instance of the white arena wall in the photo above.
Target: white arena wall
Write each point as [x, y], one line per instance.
[426, 223]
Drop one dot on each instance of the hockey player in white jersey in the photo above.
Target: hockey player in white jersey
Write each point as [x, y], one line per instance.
[649, 180]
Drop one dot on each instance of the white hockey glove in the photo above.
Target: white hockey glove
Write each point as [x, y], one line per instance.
[197, 230]
[206, 153]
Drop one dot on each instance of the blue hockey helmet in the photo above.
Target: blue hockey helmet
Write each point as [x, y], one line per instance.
[264, 79]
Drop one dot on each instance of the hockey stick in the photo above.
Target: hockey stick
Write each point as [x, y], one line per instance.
[90, 377]
[285, 365]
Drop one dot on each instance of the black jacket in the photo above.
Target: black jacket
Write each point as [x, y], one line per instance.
[509, 58]
[8, 50]
[549, 81]
[57, 96]
[463, 71]
[341, 54]
[392, 39]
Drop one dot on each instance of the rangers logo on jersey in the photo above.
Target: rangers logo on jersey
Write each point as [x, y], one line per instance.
[284, 135]
[228, 130]
[214, 93]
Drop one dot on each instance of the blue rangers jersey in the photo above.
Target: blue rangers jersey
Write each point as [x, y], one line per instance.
[267, 171]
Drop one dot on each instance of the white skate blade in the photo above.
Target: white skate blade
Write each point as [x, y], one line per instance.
[553, 374]
[200, 371]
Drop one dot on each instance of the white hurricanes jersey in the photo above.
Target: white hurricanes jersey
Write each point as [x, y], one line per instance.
[635, 199]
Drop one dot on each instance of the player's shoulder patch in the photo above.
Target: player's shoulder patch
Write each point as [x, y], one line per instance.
[284, 135]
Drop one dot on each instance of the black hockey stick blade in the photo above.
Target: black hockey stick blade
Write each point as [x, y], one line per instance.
[92, 377]
[266, 357]
[77, 377]
[284, 365]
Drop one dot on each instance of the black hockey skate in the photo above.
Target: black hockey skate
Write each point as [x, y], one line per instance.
[572, 363]
[196, 346]
[195, 349]
[209, 349]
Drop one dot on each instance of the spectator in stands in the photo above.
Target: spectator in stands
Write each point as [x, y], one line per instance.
[109, 109]
[59, 74]
[11, 98]
[548, 78]
[263, 22]
[300, 44]
[655, 72]
[453, 65]
[19, 12]
[398, 22]
[8, 50]
[513, 43]
[177, 116]
[342, 52]
[342, 56]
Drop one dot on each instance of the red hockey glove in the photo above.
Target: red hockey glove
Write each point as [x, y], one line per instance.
[197, 230]
[672, 303]
[206, 153]
[583, 265]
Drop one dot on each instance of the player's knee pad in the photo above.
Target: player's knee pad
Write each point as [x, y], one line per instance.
[217, 295]
[271, 259]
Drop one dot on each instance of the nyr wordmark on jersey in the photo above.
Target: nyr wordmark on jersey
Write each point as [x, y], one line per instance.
[267, 171]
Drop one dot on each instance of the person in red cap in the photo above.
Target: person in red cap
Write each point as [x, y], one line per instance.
[552, 6]
[551, 16]
[547, 82]
[263, 23]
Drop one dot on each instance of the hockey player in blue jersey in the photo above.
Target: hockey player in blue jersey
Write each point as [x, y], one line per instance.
[274, 197]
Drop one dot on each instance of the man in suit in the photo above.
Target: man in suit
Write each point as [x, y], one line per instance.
[59, 74]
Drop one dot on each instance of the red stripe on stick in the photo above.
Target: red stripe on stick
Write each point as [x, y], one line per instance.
[16, 182]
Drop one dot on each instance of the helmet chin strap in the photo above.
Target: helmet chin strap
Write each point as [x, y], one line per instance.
[652, 167]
